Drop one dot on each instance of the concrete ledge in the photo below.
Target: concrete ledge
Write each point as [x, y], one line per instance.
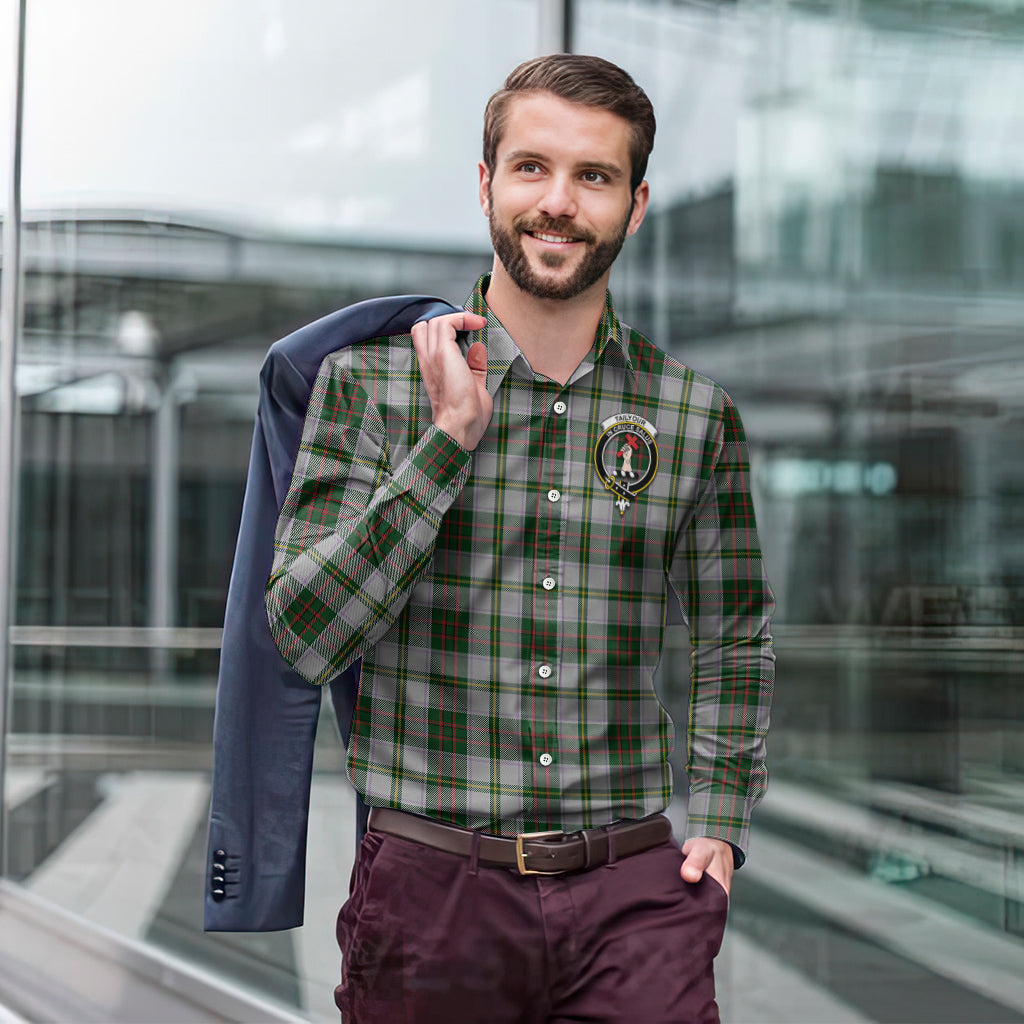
[980, 959]
[55, 966]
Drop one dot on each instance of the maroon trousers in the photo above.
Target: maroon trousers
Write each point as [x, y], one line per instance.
[432, 938]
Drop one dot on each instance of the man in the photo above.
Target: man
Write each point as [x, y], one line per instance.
[462, 518]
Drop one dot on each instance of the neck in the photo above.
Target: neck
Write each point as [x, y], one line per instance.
[553, 334]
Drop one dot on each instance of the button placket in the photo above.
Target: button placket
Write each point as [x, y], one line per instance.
[546, 603]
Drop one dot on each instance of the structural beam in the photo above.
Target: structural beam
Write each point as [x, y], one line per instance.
[10, 319]
[554, 26]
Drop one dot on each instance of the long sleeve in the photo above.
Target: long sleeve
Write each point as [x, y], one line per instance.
[718, 576]
[354, 533]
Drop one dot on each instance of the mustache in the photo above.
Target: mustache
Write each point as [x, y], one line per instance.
[552, 226]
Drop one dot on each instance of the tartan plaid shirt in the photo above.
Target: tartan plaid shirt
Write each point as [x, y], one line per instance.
[508, 615]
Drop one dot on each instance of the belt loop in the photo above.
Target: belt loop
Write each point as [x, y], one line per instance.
[586, 848]
[611, 848]
[474, 853]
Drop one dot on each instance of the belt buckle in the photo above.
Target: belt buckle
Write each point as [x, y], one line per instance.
[521, 856]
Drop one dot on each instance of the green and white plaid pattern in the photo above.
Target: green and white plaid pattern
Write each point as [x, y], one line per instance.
[509, 617]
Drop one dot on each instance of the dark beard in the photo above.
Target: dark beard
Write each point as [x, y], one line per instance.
[509, 250]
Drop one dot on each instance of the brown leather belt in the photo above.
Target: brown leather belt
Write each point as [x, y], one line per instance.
[532, 853]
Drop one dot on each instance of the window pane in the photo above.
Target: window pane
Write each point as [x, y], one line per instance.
[836, 235]
[201, 177]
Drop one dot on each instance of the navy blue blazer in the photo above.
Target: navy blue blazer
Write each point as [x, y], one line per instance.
[266, 714]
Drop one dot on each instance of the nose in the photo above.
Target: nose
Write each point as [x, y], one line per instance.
[559, 198]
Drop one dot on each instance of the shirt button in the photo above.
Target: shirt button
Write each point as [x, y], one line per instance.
[548, 583]
[545, 759]
[554, 495]
[560, 407]
[544, 671]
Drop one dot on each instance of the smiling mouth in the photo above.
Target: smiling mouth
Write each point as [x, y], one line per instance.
[546, 237]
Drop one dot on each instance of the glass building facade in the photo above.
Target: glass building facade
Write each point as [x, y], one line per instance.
[836, 234]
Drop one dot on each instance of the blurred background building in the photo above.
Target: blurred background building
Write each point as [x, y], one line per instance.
[836, 234]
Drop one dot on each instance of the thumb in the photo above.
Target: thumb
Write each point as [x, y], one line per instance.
[691, 870]
[695, 862]
[477, 358]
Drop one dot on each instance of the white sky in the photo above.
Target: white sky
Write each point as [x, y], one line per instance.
[327, 116]
[360, 119]
[323, 115]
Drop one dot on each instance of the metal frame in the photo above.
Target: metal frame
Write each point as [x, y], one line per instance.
[10, 324]
[554, 26]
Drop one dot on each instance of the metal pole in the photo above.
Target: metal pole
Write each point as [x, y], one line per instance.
[553, 24]
[163, 547]
[10, 318]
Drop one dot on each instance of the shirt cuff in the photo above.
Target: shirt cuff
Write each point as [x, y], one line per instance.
[707, 816]
[438, 461]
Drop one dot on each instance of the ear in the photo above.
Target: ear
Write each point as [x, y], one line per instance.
[641, 197]
[485, 184]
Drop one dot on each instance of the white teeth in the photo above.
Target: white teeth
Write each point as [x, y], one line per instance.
[551, 238]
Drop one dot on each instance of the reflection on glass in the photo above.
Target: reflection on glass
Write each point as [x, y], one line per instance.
[836, 235]
[200, 179]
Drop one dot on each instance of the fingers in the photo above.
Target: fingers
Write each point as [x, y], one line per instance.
[431, 337]
[464, 320]
[473, 321]
[456, 386]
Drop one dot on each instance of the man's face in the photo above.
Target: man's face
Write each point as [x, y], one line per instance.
[559, 203]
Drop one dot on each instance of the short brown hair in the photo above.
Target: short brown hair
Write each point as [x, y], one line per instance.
[577, 78]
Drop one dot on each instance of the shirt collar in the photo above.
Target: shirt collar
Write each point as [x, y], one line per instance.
[503, 352]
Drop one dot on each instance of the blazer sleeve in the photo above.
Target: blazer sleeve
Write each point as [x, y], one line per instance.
[266, 715]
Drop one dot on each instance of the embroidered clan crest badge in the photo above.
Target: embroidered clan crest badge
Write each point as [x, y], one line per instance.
[626, 457]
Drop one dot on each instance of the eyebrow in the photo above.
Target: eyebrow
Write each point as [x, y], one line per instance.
[611, 170]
